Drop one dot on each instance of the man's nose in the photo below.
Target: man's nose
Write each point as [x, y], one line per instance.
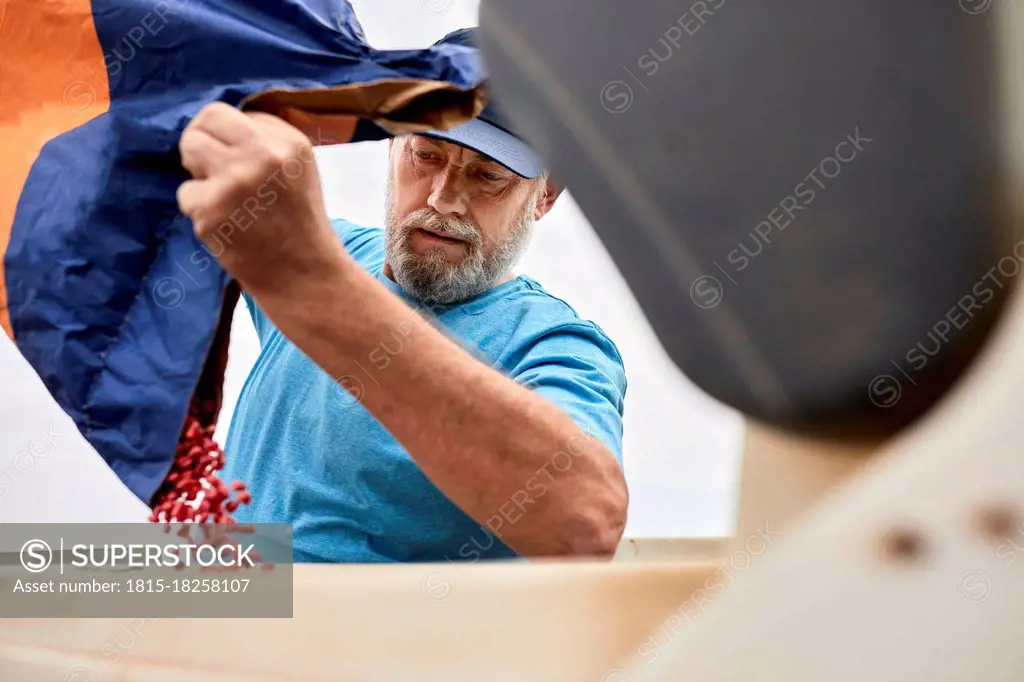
[446, 194]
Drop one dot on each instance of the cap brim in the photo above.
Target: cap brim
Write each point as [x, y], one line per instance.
[494, 142]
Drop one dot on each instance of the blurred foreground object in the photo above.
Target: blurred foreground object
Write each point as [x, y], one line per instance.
[810, 205]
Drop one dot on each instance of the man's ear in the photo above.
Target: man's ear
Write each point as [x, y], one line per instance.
[547, 200]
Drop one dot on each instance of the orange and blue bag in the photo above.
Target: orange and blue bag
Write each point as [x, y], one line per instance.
[104, 288]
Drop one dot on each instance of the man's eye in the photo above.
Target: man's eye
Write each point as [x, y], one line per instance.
[490, 177]
[425, 156]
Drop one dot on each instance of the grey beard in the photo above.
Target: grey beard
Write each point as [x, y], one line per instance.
[430, 277]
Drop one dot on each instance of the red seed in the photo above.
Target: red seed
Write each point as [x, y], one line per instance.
[191, 491]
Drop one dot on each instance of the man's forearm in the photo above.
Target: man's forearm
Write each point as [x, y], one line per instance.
[507, 457]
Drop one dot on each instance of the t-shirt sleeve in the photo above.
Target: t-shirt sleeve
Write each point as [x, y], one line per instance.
[579, 369]
[263, 326]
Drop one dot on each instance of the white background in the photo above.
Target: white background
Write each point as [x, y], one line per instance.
[681, 449]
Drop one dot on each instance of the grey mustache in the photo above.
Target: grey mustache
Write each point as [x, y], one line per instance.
[446, 227]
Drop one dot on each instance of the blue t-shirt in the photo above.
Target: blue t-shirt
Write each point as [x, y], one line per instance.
[313, 456]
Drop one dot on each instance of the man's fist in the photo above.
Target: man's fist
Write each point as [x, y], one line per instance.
[255, 200]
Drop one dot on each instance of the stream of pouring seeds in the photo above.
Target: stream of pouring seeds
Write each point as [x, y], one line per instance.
[192, 493]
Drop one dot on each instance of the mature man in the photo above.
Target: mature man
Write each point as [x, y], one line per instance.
[413, 400]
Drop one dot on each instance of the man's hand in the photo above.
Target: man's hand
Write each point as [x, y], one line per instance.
[256, 200]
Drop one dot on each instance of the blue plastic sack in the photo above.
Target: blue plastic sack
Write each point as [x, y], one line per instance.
[109, 295]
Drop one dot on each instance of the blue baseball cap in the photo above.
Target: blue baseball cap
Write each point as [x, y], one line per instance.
[489, 133]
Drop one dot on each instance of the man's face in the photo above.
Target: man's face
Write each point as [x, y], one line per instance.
[456, 222]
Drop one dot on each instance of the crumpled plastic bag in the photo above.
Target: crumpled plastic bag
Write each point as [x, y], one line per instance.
[103, 286]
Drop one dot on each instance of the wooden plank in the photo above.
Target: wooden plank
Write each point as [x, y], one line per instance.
[512, 621]
[672, 549]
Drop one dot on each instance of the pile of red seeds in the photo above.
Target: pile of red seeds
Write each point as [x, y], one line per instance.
[192, 492]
